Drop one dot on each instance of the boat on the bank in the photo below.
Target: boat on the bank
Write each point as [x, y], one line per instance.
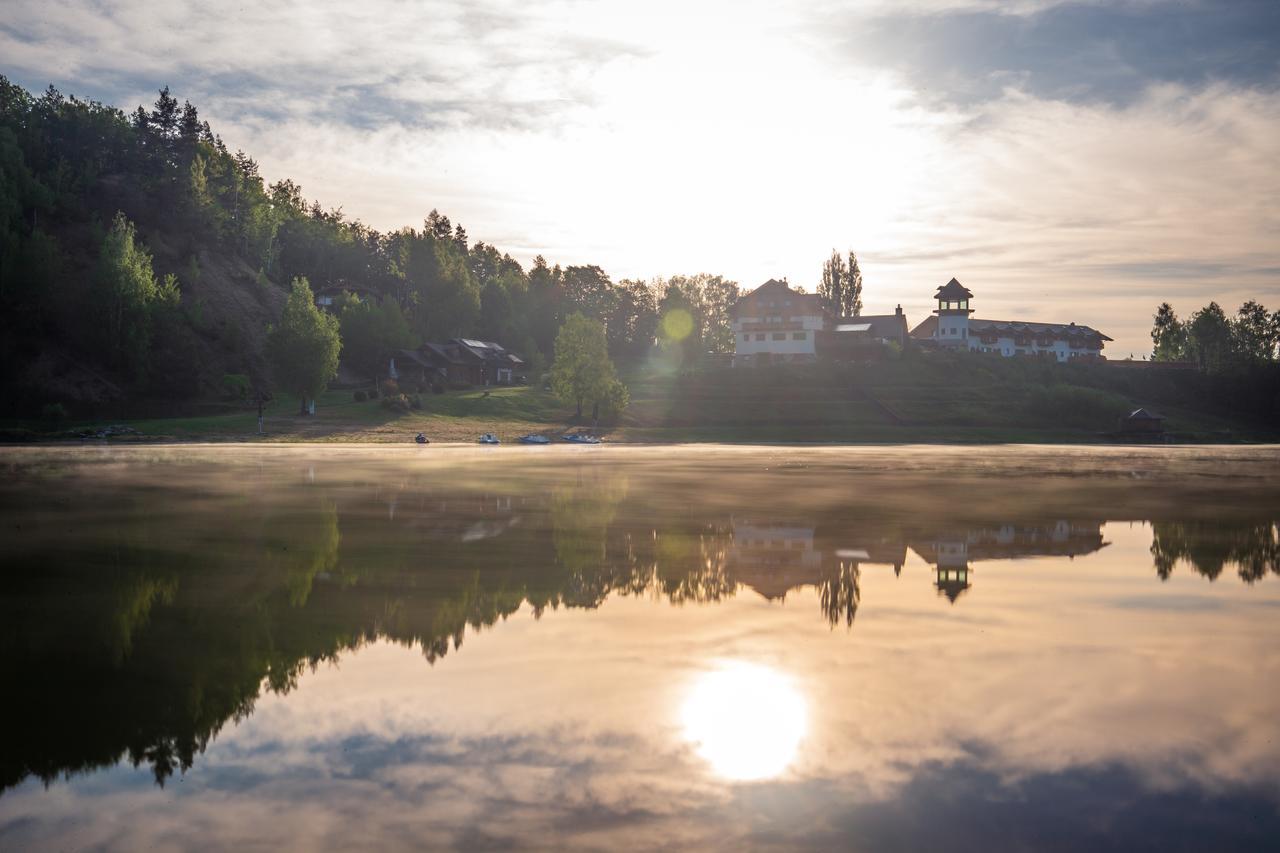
[580, 438]
[489, 438]
[534, 438]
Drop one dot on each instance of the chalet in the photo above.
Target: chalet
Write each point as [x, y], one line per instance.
[327, 298]
[458, 362]
[777, 323]
[953, 327]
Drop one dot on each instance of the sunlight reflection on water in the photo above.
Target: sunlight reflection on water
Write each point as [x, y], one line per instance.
[746, 720]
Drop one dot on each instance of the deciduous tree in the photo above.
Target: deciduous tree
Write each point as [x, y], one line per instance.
[304, 346]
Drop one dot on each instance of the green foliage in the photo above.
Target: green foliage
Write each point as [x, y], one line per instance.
[1072, 405]
[54, 412]
[841, 286]
[128, 296]
[371, 333]
[582, 370]
[304, 347]
[237, 386]
[1217, 343]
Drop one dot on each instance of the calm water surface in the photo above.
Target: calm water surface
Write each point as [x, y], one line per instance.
[864, 648]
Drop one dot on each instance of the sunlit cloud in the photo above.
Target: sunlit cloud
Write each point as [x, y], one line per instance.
[1067, 161]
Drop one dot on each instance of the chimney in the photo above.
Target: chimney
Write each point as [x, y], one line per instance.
[898, 311]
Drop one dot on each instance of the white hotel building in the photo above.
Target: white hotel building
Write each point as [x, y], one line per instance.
[954, 327]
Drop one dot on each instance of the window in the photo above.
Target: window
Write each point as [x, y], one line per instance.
[746, 338]
[779, 336]
[760, 336]
[799, 336]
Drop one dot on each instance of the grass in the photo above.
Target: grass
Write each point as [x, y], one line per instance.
[925, 400]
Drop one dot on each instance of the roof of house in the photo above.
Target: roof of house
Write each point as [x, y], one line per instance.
[874, 325]
[952, 291]
[488, 351]
[1011, 328]
[783, 290]
[1143, 415]
[1015, 327]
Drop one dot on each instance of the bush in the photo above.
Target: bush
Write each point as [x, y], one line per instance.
[437, 388]
[389, 387]
[398, 403]
[1075, 406]
[53, 412]
[361, 396]
[416, 402]
[236, 385]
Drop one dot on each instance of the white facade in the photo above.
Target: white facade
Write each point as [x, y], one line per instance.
[778, 322]
[954, 326]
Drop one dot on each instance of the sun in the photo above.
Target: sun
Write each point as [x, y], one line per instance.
[745, 720]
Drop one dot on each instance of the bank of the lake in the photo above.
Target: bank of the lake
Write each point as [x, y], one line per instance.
[966, 400]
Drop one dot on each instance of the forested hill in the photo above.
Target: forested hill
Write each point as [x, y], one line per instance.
[141, 259]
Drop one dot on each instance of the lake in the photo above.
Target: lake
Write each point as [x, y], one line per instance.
[872, 648]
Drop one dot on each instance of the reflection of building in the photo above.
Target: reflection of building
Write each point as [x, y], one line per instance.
[950, 551]
[775, 559]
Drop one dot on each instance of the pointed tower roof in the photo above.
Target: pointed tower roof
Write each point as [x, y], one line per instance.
[953, 291]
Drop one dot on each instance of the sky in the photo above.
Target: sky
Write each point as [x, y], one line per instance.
[1066, 161]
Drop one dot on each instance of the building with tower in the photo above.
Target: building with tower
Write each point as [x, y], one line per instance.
[953, 325]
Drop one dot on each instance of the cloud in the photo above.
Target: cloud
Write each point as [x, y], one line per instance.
[1090, 52]
[1068, 161]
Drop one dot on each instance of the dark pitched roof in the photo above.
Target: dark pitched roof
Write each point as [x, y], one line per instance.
[1143, 415]
[1018, 327]
[926, 328]
[783, 290]
[880, 325]
[953, 291]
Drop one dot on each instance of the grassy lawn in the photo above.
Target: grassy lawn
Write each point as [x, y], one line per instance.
[906, 402]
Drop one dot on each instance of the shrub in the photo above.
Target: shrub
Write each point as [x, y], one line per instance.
[53, 412]
[389, 387]
[398, 403]
[437, 388]
[361, 396]
[1073, 405]
[236, 385]
[416, 402]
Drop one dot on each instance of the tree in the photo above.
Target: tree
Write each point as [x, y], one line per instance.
[841, 286]
[1256, 332]
[582, 370]
[371, 333]
[1209, 338]
[831, 287]
[304, 347]
[127, 292]
[1168, 335]
[851, 293]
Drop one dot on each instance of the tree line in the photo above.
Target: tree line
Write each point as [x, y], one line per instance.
[78, 177]
[1215, 342]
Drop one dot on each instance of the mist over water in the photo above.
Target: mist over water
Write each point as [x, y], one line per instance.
[858, 648]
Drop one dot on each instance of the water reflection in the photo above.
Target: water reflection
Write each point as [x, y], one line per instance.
[145, 606]
[745, 719]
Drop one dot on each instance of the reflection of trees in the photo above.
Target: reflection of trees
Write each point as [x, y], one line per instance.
[839, 592]
[184, 612]
[1210, 546]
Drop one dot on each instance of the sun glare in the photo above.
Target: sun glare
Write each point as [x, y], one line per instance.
[746, 720]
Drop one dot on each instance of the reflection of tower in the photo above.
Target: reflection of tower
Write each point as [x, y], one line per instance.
[952, 568]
